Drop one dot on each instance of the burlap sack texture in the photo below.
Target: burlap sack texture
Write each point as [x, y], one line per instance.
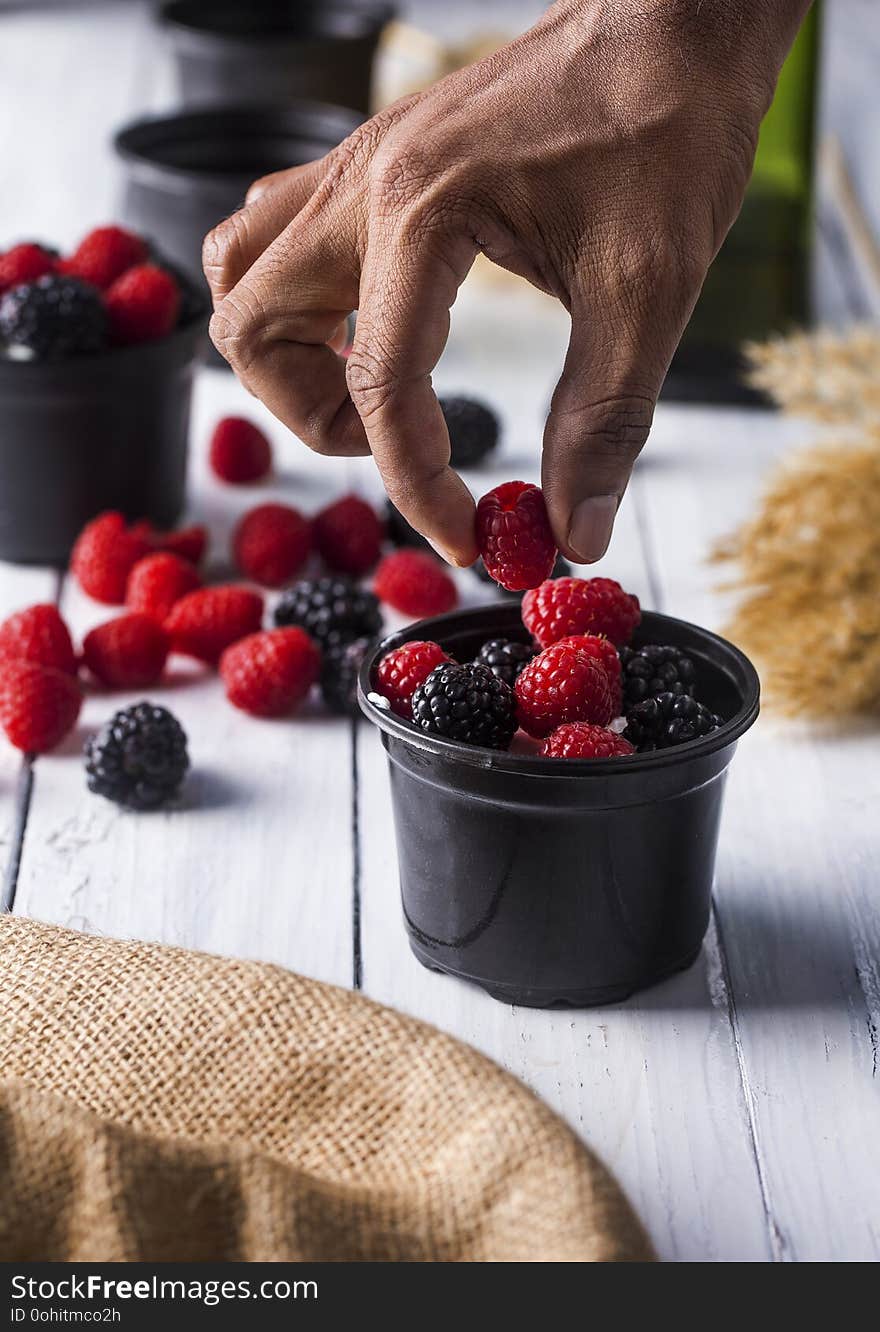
[163, 1105]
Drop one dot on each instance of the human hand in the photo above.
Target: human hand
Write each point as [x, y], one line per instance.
[603, 156]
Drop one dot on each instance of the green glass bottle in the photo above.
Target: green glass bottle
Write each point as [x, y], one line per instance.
[758, 284]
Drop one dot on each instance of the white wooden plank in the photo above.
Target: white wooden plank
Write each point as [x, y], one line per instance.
[653, 1084]
[797, 888]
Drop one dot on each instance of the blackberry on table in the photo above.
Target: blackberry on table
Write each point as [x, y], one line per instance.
[138, 758]
[334, 611]
[55, 316]
[467, 703]
[561, 569]
[505, 658]
[666, 720]
[655, 669]
[473, 430]
[339, 675]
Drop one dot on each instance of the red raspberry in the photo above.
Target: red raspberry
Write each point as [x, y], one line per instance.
[104, 555]
[239, 452]
[142, 305]
[24, 263]
[605, 652]
[269, 673]
[415, 584]
[348, 535]
[188, 542]
[562, 684]
[157, 582]
[38, 705]
[565, 606]
[38, 635]
[206, 622]
[514, 536]
[127, 653]
[582, 740]
[402, 670]
[104, 255]
[271, 543]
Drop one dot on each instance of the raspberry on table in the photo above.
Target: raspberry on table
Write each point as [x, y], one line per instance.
[403, 669]
[400, 532]
[348, 536]
[566, 606]
[104, 255]
[142, 305]
[668, 719]
[333, 611]
[505, 658]
[25, 263]
[473, 430]
[38, 705]
[466, 703]
[596, 645]
[415, 583]
[52, 318]
[157, 583]
[187, 542]
[514, 535]
[577, 740]
[563, 684]
[39, 635]
[239, 452]
[104, 554]
[271, 543]
[269, 673]
[655, 668]
[126, 653]
[138, 758]
[206, 622]
[340, 667]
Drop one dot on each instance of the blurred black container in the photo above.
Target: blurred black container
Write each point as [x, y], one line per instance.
[93, 432]
[560, 882]
[258, 51]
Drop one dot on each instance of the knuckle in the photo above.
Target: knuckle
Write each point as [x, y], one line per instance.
[235, 330]
[370, 380]
[614, 428]
[222, 249]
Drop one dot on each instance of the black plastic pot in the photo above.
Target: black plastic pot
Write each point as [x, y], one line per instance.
[275, 50]
[555, 882]
[107, 431]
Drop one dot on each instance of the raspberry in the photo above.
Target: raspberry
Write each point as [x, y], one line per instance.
[126, 653]
[24, 263]
[138, 758]
[583, 740]
[333, 611]
[52, 318]
[514, 536]
[188, 542]
[157, 582]
[348, 535]
[104, 555]
[562, 684]
[239, 451]
[505, 658]
[38, 705]
[142, 305]
[466, 703]
[38, 635]
[104, 255]
[473, 430]
[568, 606]
[271, 543]
[415, 584]
[605, 652]
[269, 673]
[206, 622]
[403, 669]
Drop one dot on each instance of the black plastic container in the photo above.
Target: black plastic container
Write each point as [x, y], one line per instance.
[556, 882]
[93, 432]
[275, 50]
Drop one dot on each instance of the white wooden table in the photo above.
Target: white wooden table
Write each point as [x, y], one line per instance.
[738, 1103]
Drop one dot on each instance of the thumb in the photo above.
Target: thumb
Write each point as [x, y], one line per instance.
[599, 420]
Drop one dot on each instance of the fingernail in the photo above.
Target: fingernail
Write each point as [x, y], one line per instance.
[591, 525]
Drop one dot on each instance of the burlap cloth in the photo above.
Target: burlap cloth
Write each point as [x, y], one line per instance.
[158, 1104]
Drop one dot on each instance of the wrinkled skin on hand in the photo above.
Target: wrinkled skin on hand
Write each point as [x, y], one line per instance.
[602, 156]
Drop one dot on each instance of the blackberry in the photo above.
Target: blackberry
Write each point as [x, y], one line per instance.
[655, 669]
[333, 610]
[668, 719]
[339, 676]
[400, 532]
[53, 317]
[473, 430]
[505, 658]
[466, 703]
[138, 758]
[561, 569]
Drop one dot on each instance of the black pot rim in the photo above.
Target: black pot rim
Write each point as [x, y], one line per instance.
[368, 20]
[529, 765]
